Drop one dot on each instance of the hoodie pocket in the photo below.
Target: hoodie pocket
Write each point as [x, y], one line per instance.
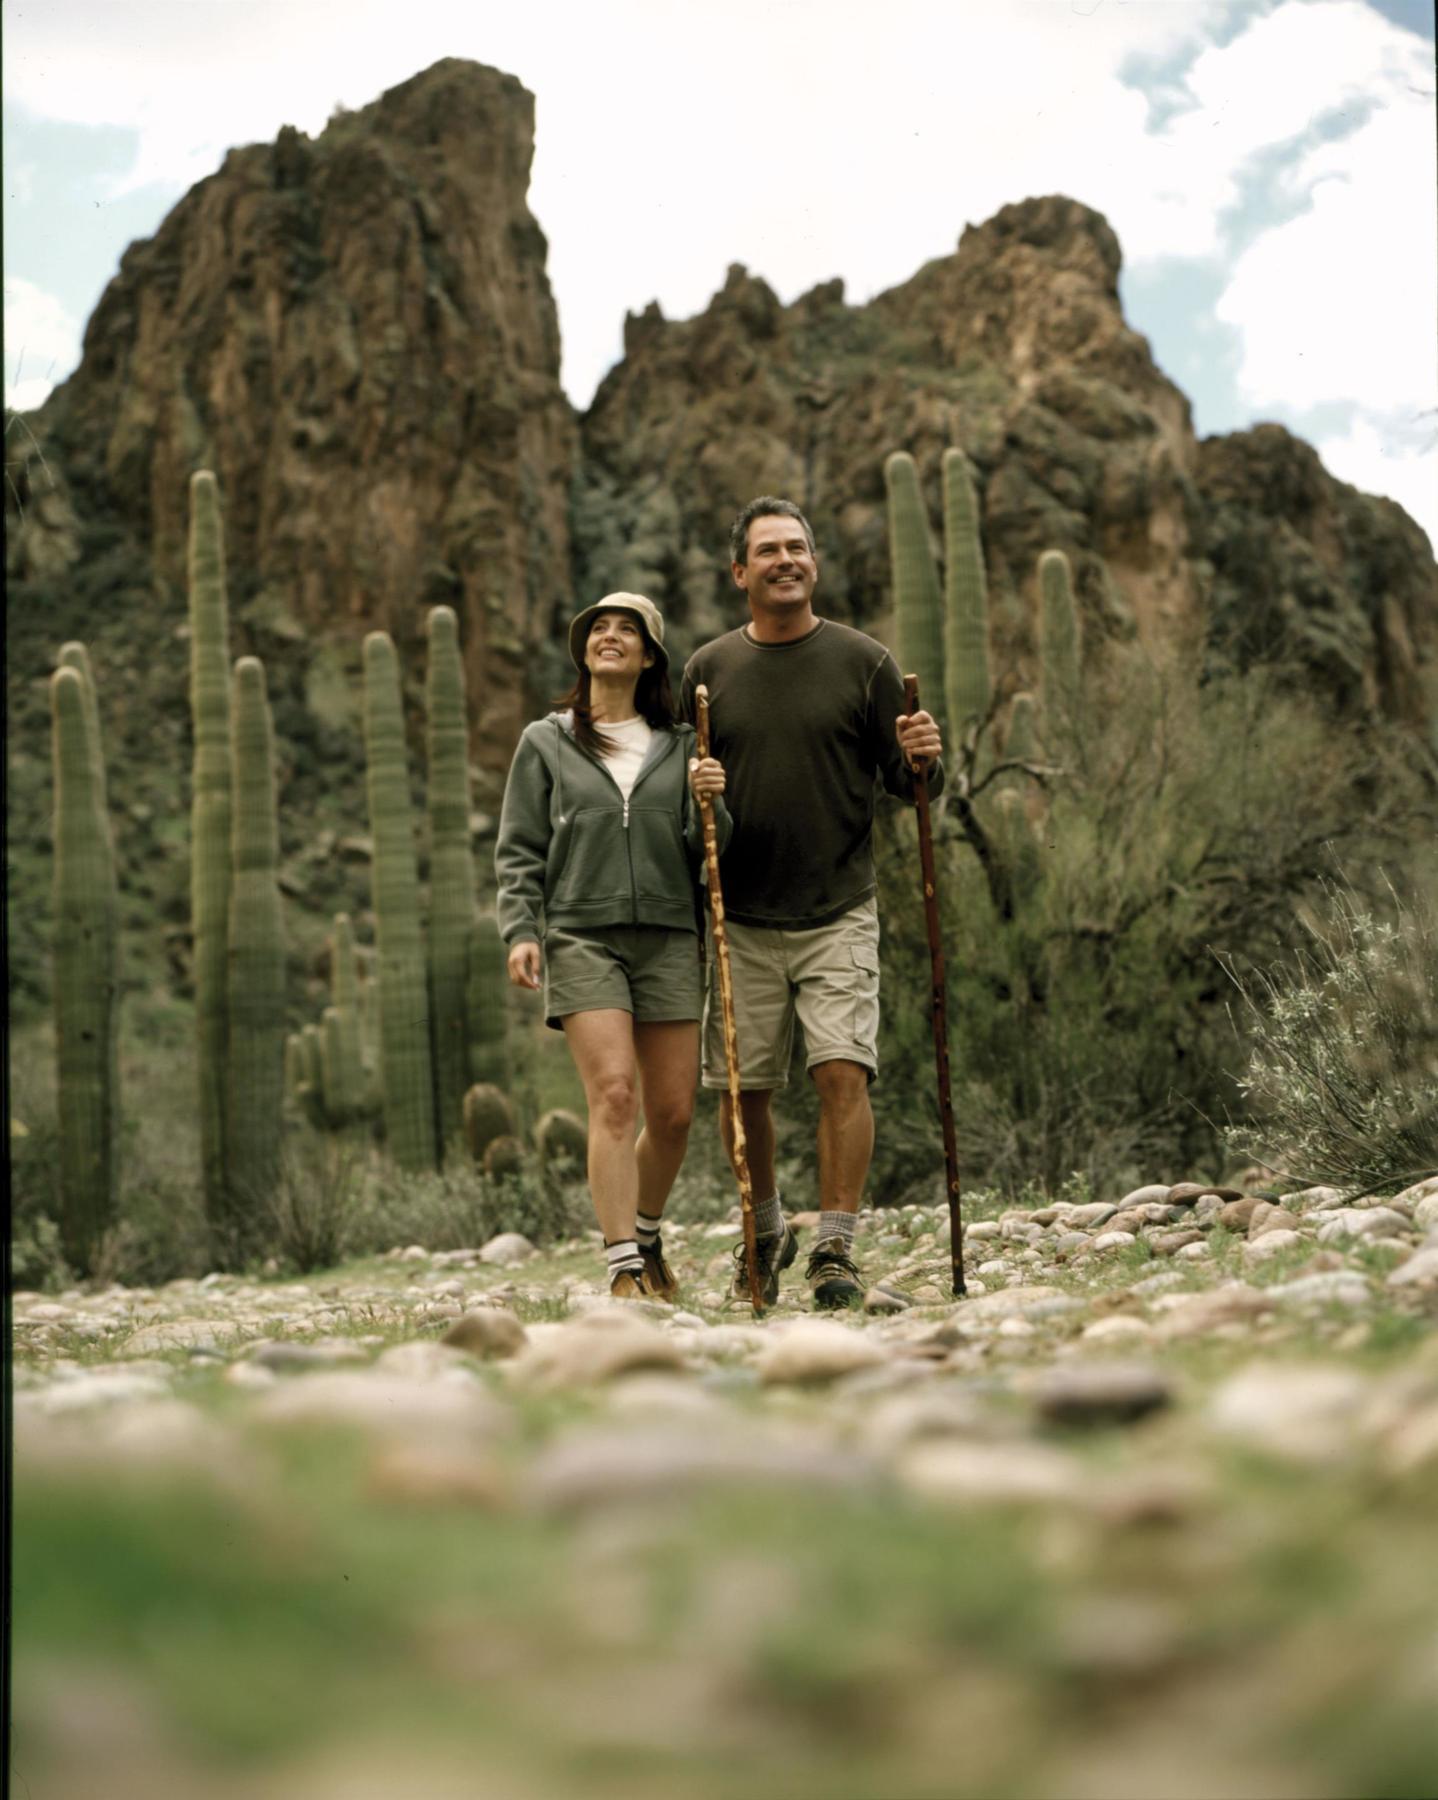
[596, 861]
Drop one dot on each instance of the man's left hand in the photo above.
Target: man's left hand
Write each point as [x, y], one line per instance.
[919, 740]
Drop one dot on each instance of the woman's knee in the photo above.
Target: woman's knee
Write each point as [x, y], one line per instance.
[613, 1102]
[670, 1117]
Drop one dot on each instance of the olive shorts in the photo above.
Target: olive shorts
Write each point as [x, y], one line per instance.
[646, 970]
[827, 978]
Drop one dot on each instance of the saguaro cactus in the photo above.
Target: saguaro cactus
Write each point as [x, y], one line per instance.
[346, 1085]
[1059, 675]
[488, 1059]
[210, 827]
[405, 1061]
[76, 656]
[918, 603]
[451, 870]
[256, 998]
[86, 973]
[966, 627]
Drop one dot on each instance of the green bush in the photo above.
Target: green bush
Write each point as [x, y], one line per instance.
[1342, 1079]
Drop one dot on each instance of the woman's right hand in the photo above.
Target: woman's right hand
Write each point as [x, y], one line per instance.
[524, 964]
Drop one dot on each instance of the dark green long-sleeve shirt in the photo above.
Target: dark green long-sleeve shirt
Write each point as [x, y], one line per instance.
[805, 731]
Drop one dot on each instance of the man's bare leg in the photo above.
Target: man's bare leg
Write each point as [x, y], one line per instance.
[846, 1133]
[758, 1119]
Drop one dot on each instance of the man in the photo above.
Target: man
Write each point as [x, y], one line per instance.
[805, 715]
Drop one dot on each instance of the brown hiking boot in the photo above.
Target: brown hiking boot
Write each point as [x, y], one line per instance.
[772, 1254]
[628, 1285]
[659, 1279]
[833, 1277]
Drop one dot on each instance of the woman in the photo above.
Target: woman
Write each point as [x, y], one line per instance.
[599, 844]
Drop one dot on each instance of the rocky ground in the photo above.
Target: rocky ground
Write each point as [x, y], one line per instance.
[1149, 1512]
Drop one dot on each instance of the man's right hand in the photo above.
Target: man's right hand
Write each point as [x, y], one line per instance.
[524, 964]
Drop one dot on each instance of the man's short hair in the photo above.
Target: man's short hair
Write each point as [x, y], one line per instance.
[762, 508]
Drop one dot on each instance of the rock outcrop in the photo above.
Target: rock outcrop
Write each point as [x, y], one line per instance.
[357, 334]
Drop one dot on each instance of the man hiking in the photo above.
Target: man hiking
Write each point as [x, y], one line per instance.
[805, 715]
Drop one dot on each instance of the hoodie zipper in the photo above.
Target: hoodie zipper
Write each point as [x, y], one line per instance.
[652, 761]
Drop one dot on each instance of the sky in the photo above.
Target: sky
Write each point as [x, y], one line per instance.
[1268, 165]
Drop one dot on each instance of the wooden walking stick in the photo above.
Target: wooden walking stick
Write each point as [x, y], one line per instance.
[726, 1010]
[938, 1007]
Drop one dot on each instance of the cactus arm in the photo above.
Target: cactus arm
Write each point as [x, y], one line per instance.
[918, 604]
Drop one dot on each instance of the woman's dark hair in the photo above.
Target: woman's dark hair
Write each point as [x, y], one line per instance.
[653, 701]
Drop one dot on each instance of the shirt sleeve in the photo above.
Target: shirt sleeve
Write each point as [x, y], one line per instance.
[886, 703]
[521, 851]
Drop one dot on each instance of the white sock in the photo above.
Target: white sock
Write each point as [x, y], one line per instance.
[646, 1229]
[623, 1257]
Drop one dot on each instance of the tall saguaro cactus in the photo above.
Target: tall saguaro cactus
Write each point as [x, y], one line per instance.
[405, 1060]
[966, 628]
[256, 967]
[1059, 675]
[451, 869]
[918, 603]
[86, 971]
[488, 991]
[210, 828]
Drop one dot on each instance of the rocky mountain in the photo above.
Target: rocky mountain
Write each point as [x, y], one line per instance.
[356, 332]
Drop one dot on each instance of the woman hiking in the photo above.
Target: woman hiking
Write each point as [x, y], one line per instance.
[599, 847]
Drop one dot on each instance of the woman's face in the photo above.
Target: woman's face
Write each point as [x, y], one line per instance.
[616, 646]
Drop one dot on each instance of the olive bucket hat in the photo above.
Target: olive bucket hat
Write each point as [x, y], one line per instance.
[645, 611]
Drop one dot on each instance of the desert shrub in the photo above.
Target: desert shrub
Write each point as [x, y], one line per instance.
[1342, 1078]
[456, 1209]
[1089, 1030]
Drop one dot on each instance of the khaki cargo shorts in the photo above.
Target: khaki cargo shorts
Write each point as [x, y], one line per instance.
[827, 978]
[645, 970]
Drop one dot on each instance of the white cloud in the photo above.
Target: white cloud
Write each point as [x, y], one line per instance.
[42, 343]
[1379, 460]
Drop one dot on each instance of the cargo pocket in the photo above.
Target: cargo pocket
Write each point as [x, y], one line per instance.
[865, 958]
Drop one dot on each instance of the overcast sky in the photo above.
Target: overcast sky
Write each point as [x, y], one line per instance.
[1268, 165]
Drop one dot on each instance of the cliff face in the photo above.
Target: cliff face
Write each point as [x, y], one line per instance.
[1015, 347]
[357, 335]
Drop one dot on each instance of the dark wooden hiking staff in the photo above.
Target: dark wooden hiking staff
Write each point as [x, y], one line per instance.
[726, 1009]
[938, 1007]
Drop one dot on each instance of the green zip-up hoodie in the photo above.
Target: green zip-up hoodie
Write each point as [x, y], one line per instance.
[574, 853]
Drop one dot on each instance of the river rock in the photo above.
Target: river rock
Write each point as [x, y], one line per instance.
[1191, 1315]
[1117, 1326]
[980, 1229]
[1088, 1218]
[592, 1349]
[816, 1350]
[1114, 1240]
[1360, 1222]
[978, 1474]
[486, 1331]
[1066, 1245]
[453, 1407]
[1315, 1199]
[1154, 1194]
[1304, 1413]
[1189, 1193]
[1419, 1273]
[281, 1355]
[882, 1300]
[507, 1248]
[1169, 1243]
[1270, 1244]
[1236, 1214]
[1101, 1393]
[1334, 1287]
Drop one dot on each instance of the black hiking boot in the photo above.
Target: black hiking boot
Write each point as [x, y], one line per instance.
[833, 1278]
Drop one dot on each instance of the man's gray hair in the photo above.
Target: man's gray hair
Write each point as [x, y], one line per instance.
[765, 506]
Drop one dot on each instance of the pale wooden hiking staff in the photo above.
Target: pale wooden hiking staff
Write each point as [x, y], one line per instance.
[938, 1009]
[726, 1009]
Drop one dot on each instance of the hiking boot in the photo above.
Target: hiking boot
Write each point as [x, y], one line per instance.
[628, 1284]
[833, 1278]
[772, 1255]
[659, 1279]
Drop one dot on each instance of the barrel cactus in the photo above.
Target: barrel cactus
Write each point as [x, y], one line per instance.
[86, 972]
[488, 1115]
[562, 1142]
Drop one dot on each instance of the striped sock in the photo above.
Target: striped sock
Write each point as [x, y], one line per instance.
[840, 1225]
[646, 1229]
[623, 1257]
[768, 1217]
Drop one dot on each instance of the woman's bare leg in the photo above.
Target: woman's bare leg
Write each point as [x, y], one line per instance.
[668, 1054]
[602, 1045]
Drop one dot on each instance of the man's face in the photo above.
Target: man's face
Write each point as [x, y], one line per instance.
[781, 572]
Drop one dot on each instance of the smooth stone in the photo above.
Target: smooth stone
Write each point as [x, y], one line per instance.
[1193, 1252]
[1269, 1245]
[1345, 1287]
[1414, 1196]
[1015, 1328]
[994, 1266]
[1420, 1271]
[1097, 1393]
[593, 1349]
[1036, 1300]
[1425, 1213]
[1189, 1193]
[1154, 1194]
[1360, 1222]
[982, 1228]
[1070, 1243]
[601, 1467]
[1117, 1325]
[281, 1354]
[407, 1473]
[816, 1350]
[153, 1436]
[899, 1419]
[180, 1334]
[1169, 1243]
[1160, 1283]
[1088, 1217]
[979, 1474]
[1192, 1315]
[486, 1331]
[98, 1388]
[1303, 1413]
[1236, 1214]
[883, 1300]
[1314, 1199]
[1114, 1240]
[507, 1248]
[453, 1407]
[1267, 1217]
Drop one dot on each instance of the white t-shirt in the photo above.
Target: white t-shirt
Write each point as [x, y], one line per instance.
[624, 763]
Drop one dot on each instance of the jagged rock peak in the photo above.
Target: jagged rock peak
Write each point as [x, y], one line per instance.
[1071, 234]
